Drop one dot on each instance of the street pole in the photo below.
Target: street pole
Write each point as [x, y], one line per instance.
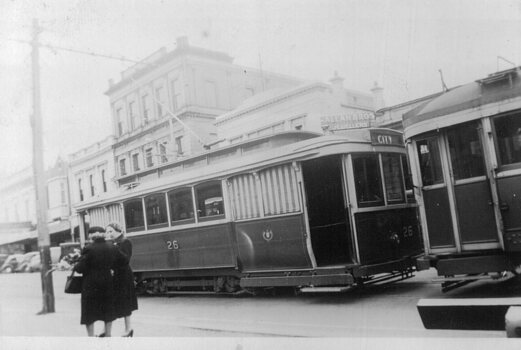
[39, 181]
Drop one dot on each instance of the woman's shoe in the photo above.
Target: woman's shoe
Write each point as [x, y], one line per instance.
[102, 335]
[129, 334]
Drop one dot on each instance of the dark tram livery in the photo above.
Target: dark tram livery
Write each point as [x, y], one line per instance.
[465, 153]
[295, 209]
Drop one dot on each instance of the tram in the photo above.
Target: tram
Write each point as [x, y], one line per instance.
[293, 209]
[465, 152]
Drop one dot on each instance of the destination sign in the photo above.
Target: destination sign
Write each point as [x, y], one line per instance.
[384, 137]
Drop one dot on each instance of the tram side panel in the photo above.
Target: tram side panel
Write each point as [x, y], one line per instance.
[510, 204]
[272, 244]
[207, 247]
[388, 235]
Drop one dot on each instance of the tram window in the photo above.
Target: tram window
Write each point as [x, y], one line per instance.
[134, 218]
[465, 151]
[209, 200]
[155, 206]
[430, 162]
[408, 179]
[393, 178]
[508, 133]
[181, 205]
[368, 182]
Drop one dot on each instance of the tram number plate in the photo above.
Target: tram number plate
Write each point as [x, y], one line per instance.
[172, 245]
[407, 231]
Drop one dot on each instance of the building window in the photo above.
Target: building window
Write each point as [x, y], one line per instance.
[159, 102]
[103, 181]
[149, 158]
[236, 139]
[179, 144]
[27, 212]
[122, 167]
[211, 94]
[135, 161]
[175, 91]
[91, 183]
[62, 193]
[80, 190]
[146, 108]
[297, 123]
[250, 91]
[162, 152]
[119, 117]
[134, 122]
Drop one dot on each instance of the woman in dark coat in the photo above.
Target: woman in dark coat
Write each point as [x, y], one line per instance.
[125, 300]
[97, 295]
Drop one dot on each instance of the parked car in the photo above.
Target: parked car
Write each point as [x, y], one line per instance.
[26, 264]
[3, 258]
[35, 264]
[11, 263]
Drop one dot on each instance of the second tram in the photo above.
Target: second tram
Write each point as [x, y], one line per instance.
[465, 153]
[316, 213]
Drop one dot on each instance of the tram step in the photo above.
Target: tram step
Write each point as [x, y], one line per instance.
[325, 289]
[465, 314]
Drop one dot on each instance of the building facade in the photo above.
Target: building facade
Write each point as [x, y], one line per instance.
[316, 107]
[18, 231]
[164, 107]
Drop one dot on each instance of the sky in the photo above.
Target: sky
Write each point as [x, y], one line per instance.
[401, 44]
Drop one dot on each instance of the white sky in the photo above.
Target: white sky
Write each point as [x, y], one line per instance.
[399, 43]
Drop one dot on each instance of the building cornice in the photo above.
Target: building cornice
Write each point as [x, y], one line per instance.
[270, 101]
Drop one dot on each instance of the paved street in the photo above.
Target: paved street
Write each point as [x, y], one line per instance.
[378, 311]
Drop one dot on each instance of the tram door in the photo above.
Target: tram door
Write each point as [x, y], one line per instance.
[328, 223]
[456, 191]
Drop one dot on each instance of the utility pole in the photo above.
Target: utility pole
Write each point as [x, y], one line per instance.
[39, 181]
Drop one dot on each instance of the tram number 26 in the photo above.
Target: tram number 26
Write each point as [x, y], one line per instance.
[172, 244]
[407, 231]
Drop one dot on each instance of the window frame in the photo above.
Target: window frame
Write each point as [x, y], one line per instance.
[399, 156]
[160, 224]
[189, 220]
[503, 166]
[204, 185]
[369, 204]
[134, 228]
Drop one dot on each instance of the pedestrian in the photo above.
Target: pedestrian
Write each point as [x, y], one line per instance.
[125, 299]
[97, 260]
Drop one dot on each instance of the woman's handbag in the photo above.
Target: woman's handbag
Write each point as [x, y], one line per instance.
[73, 284]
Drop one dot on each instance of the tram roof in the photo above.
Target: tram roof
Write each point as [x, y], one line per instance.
[495, 88]
[306, 144]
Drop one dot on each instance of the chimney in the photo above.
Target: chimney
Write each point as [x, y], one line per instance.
[337, 82]
[378, 97]
[182, 42]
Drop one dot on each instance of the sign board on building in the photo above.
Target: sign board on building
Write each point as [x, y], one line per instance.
[350, 120]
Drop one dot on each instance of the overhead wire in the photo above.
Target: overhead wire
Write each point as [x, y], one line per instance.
[122, 59]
